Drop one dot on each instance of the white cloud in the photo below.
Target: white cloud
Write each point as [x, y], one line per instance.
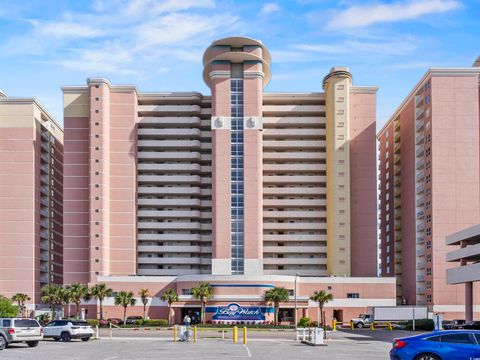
[124, 37]
[365, 15]
[269, 8]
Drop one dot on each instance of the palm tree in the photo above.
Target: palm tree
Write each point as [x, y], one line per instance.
[124, 299]
[144, 295]
[67, 299]
[78, 292]
[276, 296]
[53, 295]
[21, 299]
[203, 292]
[170, 296]
[100, 291]
[321, 297]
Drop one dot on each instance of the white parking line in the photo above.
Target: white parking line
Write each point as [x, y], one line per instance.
[248, 350]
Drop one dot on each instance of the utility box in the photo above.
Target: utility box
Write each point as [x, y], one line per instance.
[315, 337]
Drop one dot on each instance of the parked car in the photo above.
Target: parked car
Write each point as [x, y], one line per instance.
[19, 330]
[66, 330]
[438, 345]
[363, 320]
[115, 321]
[132, 319]
[471, 325]
[452, 324]
[3, 339]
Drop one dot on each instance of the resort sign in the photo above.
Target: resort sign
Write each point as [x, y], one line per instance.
[235, 312]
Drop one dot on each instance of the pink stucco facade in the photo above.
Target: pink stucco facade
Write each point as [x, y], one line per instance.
[31, 188]
[434, 143]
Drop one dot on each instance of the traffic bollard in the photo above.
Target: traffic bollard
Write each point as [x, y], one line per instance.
[110, 332]
[372, 327]
[352, 326]
[390, 328]
[244, 335]
[194, 334]
[334, 327]
[174, 333]
[235, 334]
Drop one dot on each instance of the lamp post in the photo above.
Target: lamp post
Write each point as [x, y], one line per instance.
[295, 299]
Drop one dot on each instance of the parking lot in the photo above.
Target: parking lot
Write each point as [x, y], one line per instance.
[362, 344]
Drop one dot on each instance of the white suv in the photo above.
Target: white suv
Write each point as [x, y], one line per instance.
[21, 330]
[66, 330]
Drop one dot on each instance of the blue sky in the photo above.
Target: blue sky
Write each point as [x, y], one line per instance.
[157, 45]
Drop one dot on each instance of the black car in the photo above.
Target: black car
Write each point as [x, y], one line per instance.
[132, 319]
[471, 325]
[453, 324]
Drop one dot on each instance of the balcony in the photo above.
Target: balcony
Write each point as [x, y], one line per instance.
[398, 214]
[418, 100]
[396, 160]
[420, 189]
[169, 214]
[44, 201]
[396, 181]
[420, 265]
[45, 157]
[165, 121]
[419, 125]
[298, 144]
[154, 133]
[165, 190]
[44, 168]
[186, 167]
[420, 176]
[294, 202]
[169, 155]
[294, 249]
[420, 252]
[420, 278]
[420, 201]
[44, 179]
[44, 234]
[419, 164]
[421, 290]
[44, 223]
[294, 237]
[420, 227]
[420, 240]
[166, 179]
[419, 112]
[420, 214]
[44, 212]
[168, 144]
[44, 245]
[295, 226]
[419, 138]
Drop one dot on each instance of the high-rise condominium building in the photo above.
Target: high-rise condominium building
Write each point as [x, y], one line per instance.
[239, 184]
[31, 166]
[429, 184]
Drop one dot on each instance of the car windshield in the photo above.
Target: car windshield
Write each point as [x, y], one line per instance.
[25, 323]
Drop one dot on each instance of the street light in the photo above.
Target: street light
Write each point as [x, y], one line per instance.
[295, 299]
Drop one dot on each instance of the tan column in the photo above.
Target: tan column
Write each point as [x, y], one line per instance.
[337, 89]
[469, 301]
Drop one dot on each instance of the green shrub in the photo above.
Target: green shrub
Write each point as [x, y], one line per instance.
[421, 324]
[156, 322]
[138, 322]
[303, 322]
[312, 324]
[93, 322]
[7, 309]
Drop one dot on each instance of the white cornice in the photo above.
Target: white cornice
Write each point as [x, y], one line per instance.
[363, 89]
[2, 93]
[455, 71]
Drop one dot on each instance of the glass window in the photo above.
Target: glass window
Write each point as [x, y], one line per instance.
[26, 323]
[353, 295]
[435, 338]
[463, 338]
[477, 337]
[6, 323]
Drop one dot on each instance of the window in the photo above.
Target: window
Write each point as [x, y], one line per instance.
[429, 231]
[429, 298]
[6, 323]
[97, 111]
[427, 152]
[435, 338]
[457, 338]
[429, 218]
[186, 291]
[427, 99]
[429, 244]
[429, 271]
[477, 336]
[353, 296]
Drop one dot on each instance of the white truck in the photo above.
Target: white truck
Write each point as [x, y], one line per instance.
[390, 314]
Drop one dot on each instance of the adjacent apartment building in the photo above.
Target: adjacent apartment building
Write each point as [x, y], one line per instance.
[429, 185]
[237, 187]
[31, 213]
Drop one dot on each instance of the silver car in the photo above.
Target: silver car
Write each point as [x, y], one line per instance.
[19, 330]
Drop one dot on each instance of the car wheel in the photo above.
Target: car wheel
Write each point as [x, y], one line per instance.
[32, 343]
[85, 339]
[3, 343]
[65, 337]
[359, 325]
[427, 357]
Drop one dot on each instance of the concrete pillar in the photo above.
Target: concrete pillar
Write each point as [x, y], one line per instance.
[469, 301]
